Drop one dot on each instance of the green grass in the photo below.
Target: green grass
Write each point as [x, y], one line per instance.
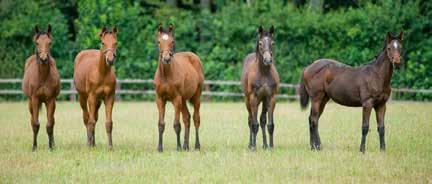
[224, 156]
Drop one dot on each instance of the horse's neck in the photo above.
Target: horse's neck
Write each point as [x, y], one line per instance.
[262, 69]
[44, 71]
[165, 70]
[384, 68]
[102, 66]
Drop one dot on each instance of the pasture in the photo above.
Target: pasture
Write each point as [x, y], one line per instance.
[224, 157]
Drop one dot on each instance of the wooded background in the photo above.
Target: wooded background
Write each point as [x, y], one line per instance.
[223, 32]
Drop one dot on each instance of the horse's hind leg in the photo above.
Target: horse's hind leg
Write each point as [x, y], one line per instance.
[177, 102]
[263, 121]
[50, 106]
[186, 122]
[255, 126]
[249, 122]
[35, 105]
[196, 101]
[380, 113]
[317, 107]
[109, 104]
[270, 126]
[83, 104]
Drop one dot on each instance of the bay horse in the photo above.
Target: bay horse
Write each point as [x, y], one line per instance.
[366, 86]
[260, 82]
[95, 82]
[41, 84]
[179, 78]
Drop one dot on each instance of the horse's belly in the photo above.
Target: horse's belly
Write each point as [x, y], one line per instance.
[344, 96]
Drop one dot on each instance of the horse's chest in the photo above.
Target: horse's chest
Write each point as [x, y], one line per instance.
[45, 90]
[165, 90]
[264, 88]
[103, 90]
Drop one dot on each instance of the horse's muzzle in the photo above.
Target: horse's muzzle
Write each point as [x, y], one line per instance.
[110, 62]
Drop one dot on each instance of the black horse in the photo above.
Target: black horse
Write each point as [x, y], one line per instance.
[367, 86]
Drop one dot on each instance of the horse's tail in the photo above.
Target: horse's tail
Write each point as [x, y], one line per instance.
[304, 96]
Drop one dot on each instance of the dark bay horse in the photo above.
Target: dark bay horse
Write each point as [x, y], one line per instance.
[260, 82]
[41, 84]
[367, 86]
[179, 78]
[95, 82]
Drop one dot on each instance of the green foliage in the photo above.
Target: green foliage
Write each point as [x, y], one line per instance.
[223, 38]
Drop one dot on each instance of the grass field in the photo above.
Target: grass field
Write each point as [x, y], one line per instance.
[224, 156]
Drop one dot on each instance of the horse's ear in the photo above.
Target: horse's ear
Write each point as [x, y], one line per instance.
[115, 30]
[260, 29]
[171, 28]
[389, 37]
[272, 30]
[104, 29]
[400, 36]
[36, 29]
[49, 29]
[160, 28]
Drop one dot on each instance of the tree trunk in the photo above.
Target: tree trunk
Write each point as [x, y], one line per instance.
[316, 5]
[205, 4]
[172, 2]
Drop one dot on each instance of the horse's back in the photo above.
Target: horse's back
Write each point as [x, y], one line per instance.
[247, 62]
[194, 62]
[85, 61]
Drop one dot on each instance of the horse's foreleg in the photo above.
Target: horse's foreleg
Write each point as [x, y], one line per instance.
[380, 114]
[109, 104]
[177, 102]
[263, 121]
[254, 125]
[92, 104]
[367, 107]
[35, 105]
[161, 123]
[186, 122]
[50, 106]
[249, 121]
[270, 126]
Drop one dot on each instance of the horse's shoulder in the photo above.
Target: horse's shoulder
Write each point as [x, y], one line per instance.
[30, 61]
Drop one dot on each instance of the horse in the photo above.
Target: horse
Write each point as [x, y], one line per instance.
[366, 86]
[95, 81]
[179, 78]
[260, 83]
[41, 84]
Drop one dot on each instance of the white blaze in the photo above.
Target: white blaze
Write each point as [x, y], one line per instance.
[165, 37]
[395, 45]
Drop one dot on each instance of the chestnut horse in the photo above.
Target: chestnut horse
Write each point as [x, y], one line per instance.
[260, 81]
[366, 86]
[95, 82]
[41, 84]
[179, 78]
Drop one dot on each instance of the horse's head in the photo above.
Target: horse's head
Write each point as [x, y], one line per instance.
[393, 48]
[166, 43]
[109, 44]
[42, 40]
[265, 44]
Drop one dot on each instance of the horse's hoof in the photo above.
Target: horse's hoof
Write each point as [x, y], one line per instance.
[265, 147]
[179, 148]
[110, 148]
[252, 148]
[34, 148]
[185, 147]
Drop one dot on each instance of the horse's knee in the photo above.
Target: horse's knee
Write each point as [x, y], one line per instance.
[270, 128]
[255, 127]
[263, 119]
[365, 130]
[109, 126]
[177, 127]
[161, 126]
[197, 121]
[381, 130]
